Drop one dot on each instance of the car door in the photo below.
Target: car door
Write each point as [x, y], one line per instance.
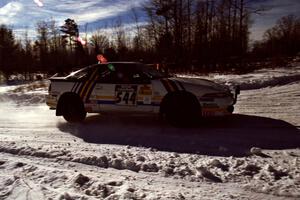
[121, 87]
[144, 90]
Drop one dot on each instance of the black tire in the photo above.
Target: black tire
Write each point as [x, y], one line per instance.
[181, 109]
[73, 110]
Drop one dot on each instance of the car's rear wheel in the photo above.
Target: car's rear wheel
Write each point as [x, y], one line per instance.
[73, 110]
[181, 108]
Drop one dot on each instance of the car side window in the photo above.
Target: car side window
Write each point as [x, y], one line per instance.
[122, 74]
[139, 78]
[104, 76]
[108, 76]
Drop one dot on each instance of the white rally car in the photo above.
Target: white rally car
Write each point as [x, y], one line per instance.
[135, 87]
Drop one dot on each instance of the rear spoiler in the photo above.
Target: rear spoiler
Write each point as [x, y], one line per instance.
[57, 78]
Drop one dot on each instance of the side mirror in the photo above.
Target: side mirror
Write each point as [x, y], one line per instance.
[111, 67]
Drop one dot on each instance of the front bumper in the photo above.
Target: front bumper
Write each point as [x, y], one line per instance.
[51, 101]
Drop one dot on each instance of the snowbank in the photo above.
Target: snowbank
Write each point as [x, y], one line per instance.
[277, 175]
[25, 94]
[258, 79]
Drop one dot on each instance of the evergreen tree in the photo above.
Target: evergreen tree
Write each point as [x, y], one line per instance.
[8, 50]
[71, 33]
[71, 37]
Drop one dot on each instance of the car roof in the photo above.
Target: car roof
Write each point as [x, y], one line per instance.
[121, 63]
[100, 64]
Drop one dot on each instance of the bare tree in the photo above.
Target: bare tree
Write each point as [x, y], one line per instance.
[99, 42]
[282, 39]
[121, 39]
[138, 34]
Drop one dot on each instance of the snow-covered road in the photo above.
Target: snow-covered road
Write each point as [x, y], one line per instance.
[141, 157]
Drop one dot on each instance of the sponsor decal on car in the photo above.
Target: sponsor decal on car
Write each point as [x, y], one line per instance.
[172, 85]
[145, 90]
[125, 94]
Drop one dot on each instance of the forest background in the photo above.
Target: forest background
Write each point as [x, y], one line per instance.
[181, 35]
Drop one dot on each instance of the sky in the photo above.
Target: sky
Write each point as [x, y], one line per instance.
[24, 14]
[275, 9]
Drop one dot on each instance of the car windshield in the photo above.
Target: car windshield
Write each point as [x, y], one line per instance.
[79, 74]
[152, 73]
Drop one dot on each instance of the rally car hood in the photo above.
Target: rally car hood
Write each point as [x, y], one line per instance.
[204, 84]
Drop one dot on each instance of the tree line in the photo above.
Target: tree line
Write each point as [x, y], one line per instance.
[181, 34]
[281, 40]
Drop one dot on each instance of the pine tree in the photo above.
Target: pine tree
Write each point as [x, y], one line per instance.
[8, 50]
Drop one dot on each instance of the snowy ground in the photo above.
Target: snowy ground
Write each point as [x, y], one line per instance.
[253, 154]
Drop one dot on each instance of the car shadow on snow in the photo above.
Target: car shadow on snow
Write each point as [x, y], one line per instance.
[225, 136]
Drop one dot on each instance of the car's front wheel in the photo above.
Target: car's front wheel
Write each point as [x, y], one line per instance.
[181, 108]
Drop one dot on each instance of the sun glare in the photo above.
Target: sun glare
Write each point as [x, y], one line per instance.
[83, 42]
[39, 3]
